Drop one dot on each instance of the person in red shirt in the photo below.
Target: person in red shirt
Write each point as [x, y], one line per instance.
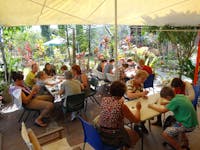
[142, 66]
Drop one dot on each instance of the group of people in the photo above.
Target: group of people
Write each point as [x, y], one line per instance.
[178, 94]
[122, 68]
[34, 95]
[110, 124]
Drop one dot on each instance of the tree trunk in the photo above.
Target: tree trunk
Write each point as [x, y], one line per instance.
[89, 47]
[68, 51]
[74, 46]
[3, 57]
[4, 62]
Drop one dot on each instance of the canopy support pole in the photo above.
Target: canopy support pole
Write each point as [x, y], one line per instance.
[116, 31]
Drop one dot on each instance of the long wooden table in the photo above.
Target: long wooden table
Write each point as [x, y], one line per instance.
[146, 113]
[53, 90]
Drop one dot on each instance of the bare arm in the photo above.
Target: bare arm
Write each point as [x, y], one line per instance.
[132, 95]
[27, 99]
[157, 108]
[189, 91]
[164, 103]
[84, 80]
[61, 92]
[130, 116]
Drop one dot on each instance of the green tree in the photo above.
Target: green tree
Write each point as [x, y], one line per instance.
[45, 32]
[183, 42]
[81, 38]
[6, 46]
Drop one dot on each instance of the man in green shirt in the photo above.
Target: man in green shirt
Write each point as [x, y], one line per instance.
[30, 78]
[184, 113]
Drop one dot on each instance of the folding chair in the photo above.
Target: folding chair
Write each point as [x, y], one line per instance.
[93, 90]
[73, 103]
[48, 141]
[92, 137]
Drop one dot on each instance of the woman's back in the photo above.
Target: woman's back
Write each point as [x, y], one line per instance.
[111, 115]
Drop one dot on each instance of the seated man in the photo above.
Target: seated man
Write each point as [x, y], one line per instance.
[70, 87]
[30, 78]
[184, 113]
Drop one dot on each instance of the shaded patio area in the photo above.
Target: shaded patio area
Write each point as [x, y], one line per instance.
[12, 140]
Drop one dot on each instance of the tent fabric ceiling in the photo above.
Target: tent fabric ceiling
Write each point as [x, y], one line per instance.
[129, 12]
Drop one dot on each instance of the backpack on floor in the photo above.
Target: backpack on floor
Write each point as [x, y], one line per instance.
[169, 121]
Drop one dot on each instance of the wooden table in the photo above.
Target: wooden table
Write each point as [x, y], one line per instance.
[146, 113]
[53, 90]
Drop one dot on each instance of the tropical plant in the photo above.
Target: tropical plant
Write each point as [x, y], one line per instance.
[183, 42]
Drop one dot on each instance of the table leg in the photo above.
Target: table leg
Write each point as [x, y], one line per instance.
[141, 136]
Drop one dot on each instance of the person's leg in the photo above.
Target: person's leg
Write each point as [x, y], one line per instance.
[169, 135]
[44, 106]
[134, 137]
[184, 140]
[45, 98]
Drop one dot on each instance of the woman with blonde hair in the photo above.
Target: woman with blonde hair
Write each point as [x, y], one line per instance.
[135, 85]
[135, 89]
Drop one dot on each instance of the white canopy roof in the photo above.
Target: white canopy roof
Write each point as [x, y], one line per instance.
[130, 12]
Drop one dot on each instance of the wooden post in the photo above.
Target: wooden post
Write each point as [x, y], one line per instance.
[116, 31]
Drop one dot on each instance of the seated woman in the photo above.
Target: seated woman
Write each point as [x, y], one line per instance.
[48, 69]
[78, 75]
[142, 66]
[111, 119]
[63, 68]
[30, 100]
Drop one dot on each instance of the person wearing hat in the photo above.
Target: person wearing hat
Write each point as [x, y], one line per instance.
[70, 87]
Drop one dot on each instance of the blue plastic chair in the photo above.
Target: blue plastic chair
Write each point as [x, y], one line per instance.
[148, 83]
[92, 137]
[197, 93]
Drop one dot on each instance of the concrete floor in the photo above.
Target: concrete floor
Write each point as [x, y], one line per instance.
[10, 129]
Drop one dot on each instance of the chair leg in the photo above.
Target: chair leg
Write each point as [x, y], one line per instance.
[85, 109]
[96, 100]
[149, 125]
[21, 117]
